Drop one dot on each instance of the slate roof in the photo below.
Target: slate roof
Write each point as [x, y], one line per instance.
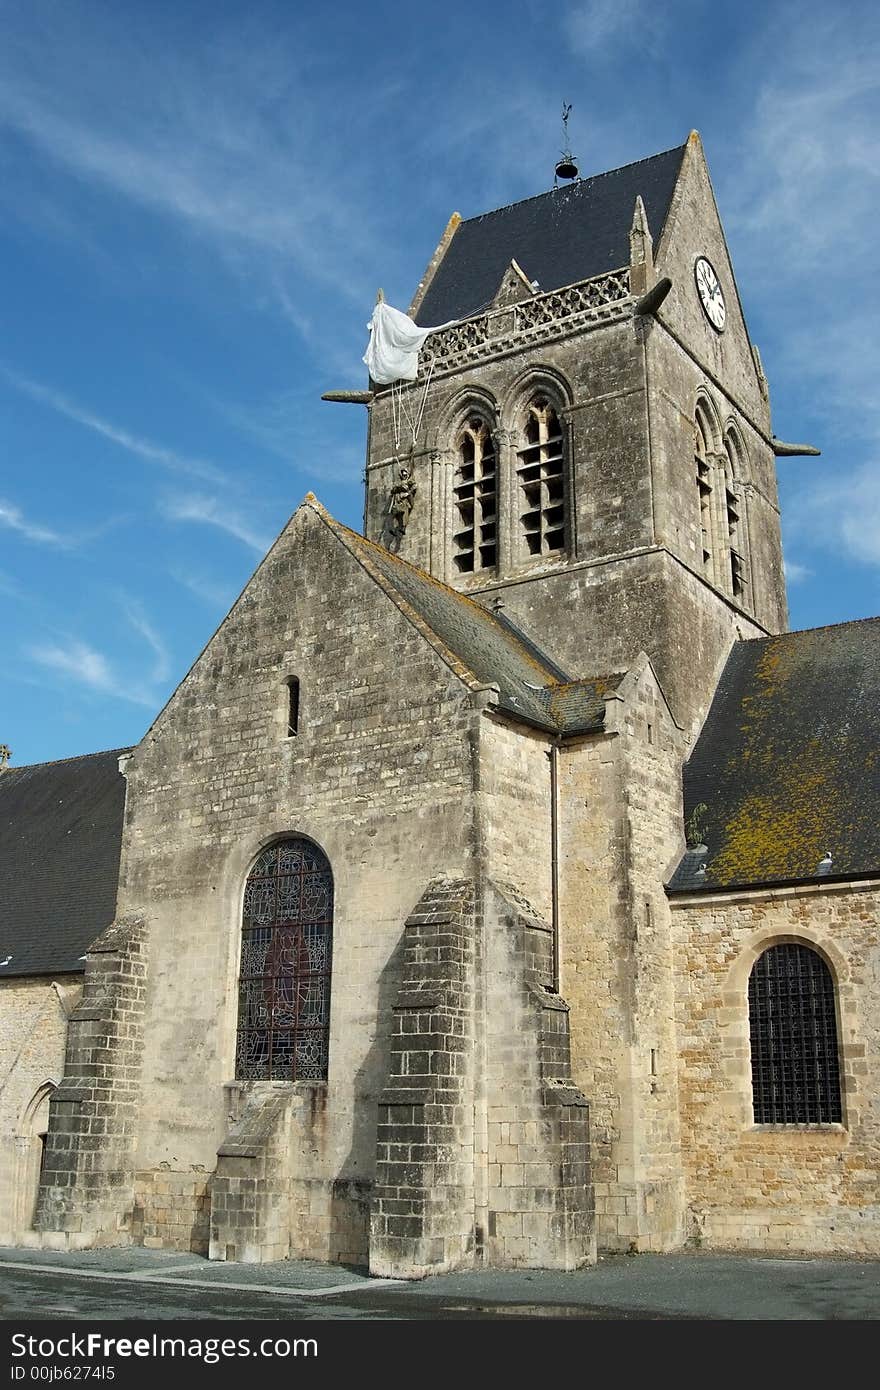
[788, 762]
[60, 836]
[558, 238]
[487, 645]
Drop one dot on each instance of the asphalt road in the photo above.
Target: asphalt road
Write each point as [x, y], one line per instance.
[126, 1284]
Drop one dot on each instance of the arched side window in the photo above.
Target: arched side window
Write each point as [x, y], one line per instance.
[734, 521]
[703, 472]
[284, 980]
[476, 497]
[793, 1030]
[541, 481]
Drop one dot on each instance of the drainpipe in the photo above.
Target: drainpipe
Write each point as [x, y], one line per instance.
[554, 860]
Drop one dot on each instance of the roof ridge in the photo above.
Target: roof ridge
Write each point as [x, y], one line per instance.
[75, 758]
[591, 178]
[820, 627]
[506, 627]
[591, 680]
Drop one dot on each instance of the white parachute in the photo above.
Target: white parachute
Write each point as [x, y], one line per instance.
[392, 357]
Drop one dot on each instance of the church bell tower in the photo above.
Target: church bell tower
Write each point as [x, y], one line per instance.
[587, 447]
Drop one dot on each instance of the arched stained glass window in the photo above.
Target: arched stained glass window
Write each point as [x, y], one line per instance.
[795, 1071]
[284, 981]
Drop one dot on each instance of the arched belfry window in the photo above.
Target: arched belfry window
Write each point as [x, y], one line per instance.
[703, 471]
[541, 481]
[476, 499]
[284, 981]
[793, 1028]
[734, 522]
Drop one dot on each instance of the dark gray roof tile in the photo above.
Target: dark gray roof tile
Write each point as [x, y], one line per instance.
[558, 238]
[787, 765]
[60, 836]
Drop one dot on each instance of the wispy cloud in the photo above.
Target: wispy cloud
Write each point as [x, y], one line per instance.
[796, 573]
[13, 518]
[226, 138]
[134, 444]
[140, 623]
[210, 591]
[801, 198]
[813, 170]
[209, 511]
[597, 26]
[10, 587]
[81, 663]
[843, 521]
[292, 426]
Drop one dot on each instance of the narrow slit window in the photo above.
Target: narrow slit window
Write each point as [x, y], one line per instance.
[293, 706]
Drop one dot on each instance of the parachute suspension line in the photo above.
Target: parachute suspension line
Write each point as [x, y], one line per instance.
[396, 401]
[400, 409]
[421, 411]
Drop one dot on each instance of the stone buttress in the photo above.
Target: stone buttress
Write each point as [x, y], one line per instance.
[86, 1185]
[483, 1142]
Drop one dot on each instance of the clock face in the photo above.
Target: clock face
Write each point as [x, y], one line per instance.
[709, 290]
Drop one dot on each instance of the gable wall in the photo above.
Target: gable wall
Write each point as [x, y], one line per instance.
[379, 777]
[693, 229]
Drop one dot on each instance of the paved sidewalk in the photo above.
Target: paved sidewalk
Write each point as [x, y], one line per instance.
[691, 1286]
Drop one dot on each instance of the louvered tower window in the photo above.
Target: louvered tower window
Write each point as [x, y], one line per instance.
[735, 546]
[795, 1070]
[284, 981]
[703, 472]
[475, 489]
[541, 480]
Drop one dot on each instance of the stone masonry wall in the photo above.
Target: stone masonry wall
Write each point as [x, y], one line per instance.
[793, 1188]
[423, 1205]
[171, 1210]
[87, 1183]
[483, 1152]
[33, 1034]
[250, 1189]
[539, 1199]
[514, 800]
[651, 749]
[617, 835]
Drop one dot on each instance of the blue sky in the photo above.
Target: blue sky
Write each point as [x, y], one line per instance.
[199, 200]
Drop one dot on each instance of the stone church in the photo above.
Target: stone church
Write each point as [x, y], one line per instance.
[502, 883]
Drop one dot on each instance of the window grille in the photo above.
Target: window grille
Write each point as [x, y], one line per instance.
[795, 1070]
[284, 981]
[475, 489]
[542, 481]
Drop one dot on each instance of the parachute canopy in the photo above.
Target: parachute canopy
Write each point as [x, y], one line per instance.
[393, 350]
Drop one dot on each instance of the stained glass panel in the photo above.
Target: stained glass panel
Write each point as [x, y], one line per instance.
[284, 984]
